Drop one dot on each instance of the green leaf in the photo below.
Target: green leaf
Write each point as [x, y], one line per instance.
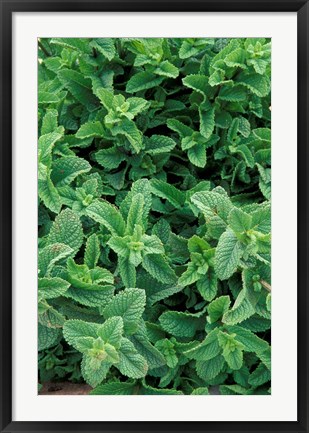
[50, 255]
[92, 251]
[94, 373]
[212, 203]
[236, 58]
[120, 245]
[135, 216]
[167, 69]
[234, 359]
[206, 350]
[235, 93]
[106, 97]
[143, 81]
[131, 132]
[199, 83]
[179, 324]
[111, 331]
[179, 127]
[218, 307]
[50, 98]
[208, 370]
[49, 194]
[128, 304]
[108, 215]
[91, 298]
[74, 329]
[167, 348]
[127, 272]
[50, 121]
[115, 388]
[105, 46]
[168, 192]
[50, 288]
[131, 363]
[187, 50]
[141, 342]
[232, 350]
[190, 276]
[242, 309]
[250, 341]
[137, 105]
[246, 154]
[158, 144]
[159, 268]
[260, 376]
[109, 158]
[47, 337]
[81, 45]
[265, 357]
[207, 122]
[80, 87]
[49, 317]
[261, 219]
[149, 390]
[239, 220]
[197, 155]
[207, 285]
[90, 129]
[256, 83]
[142, 186]
[66, 169]
[228, 254]
[200, 391]
[67, 229]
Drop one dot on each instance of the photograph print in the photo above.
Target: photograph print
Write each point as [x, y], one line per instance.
[154, 216]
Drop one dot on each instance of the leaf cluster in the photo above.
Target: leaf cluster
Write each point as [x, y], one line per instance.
[154, 174]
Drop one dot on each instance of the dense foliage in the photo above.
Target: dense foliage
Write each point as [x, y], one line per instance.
[154, 214]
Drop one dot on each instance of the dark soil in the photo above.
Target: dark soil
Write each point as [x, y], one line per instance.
[65, 388]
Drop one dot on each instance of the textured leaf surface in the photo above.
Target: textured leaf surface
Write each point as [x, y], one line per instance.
[90, 129]
[168, 192]
[50, 255]
[52, 287]
[159, 144]
[65, 170]
[74, 329]
[115, 388]
[208, 370]
[218, 307]
[154, 214]
[142, 81]
[94, 376]
[131, 363]
[47, 337]
[158, 268]
[142, 344]
[179, 324]
[207, 350]
[228, 254]
[106, 214]
[49, 195]
[242, 309]
[129, 304]
[67, 229]
[80, 87]
[92, 251]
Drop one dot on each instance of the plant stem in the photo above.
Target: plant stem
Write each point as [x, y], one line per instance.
[47, 54]
[266, 285]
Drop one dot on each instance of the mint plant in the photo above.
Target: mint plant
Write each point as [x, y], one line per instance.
[154, 184]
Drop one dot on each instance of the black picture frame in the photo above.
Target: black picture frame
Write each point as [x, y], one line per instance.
[7, 8]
